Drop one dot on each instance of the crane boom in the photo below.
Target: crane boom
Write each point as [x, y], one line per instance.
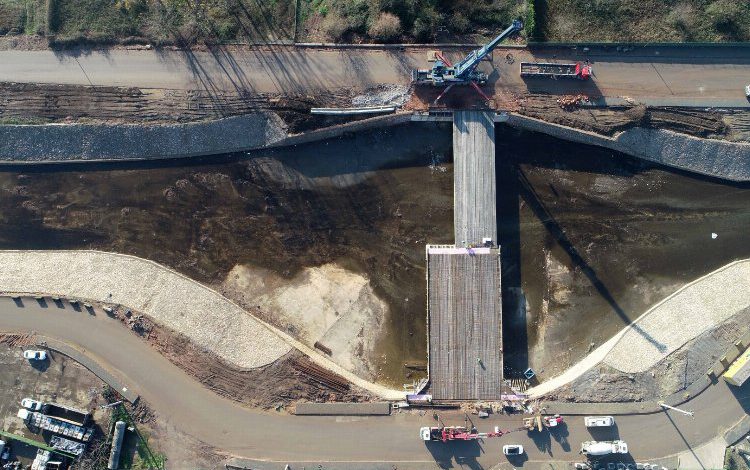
[463, 73]
[476, 56]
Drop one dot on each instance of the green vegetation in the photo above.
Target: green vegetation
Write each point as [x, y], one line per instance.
[153, 21]
[646, 20]
[404, 20]
[187, 22]
[145, 458]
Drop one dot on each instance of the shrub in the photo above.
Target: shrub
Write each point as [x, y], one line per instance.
[386, 28]
[529, 22]
[334, 27]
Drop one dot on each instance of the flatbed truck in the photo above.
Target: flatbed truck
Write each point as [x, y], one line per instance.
[556, 70]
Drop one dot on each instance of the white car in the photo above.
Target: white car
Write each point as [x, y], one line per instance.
[599, 421]
[32, 405]
[33, 355]
[747, 91]
[513, 449]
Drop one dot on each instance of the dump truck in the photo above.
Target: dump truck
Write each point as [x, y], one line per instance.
[739, 371]
[555, 70]
[66, 414]
[601, 448]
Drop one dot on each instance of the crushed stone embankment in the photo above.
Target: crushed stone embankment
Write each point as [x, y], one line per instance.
[692, 310]
[54, 143]
[711, 157]
[183, 305]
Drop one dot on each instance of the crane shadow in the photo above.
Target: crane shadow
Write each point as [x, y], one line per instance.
[526, 190]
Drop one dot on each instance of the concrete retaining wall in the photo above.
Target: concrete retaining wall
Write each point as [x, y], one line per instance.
[55, 143]
[711, 157]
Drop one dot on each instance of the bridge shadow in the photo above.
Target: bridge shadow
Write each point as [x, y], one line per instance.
[514, 187]
[462, 454]
[529, 195]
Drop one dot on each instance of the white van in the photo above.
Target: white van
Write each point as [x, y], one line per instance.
[599, 421]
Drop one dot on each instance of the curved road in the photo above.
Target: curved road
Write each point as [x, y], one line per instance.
[191, 408]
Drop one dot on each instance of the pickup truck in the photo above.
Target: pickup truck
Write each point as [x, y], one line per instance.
[599, 421]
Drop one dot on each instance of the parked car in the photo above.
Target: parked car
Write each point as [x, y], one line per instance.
[599, 421]
[582, 466]
[34, 355]
[513, 449]
[32, 405]
[747, 91]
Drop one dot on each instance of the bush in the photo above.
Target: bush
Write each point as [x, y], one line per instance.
[529, 21]
[386, 28]
[334, 27]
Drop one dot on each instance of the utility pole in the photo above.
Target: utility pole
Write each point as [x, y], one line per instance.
[665, 406]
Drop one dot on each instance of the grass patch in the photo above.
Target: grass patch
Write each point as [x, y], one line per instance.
[647, 20]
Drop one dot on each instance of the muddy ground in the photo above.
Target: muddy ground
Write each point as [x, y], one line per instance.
[601, 238]
[590, 239]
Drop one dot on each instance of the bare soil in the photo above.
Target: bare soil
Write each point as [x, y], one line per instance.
[27, 103]
[279, 384]
[608, 121]
[671, 375]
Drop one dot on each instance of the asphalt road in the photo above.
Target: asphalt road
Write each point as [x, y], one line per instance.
[188, 406]
[647, 74]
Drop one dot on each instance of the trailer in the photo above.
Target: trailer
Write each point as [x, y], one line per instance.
[57, 426]
[739, 371]
[556, 70]
[66, 414]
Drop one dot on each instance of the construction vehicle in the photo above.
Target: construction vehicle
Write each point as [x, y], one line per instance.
[456, 433]
[598, 421]
[552, 70]
[443, 73]
[539, 423]
[601, 448]
[739, 371]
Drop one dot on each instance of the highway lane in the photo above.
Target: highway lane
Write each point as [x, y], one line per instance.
[188, 406]
[655, 72]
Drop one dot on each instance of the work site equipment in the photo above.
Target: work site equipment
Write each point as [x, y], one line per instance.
[553, 70]
[456, 433]
[464, 72]
[539, 423]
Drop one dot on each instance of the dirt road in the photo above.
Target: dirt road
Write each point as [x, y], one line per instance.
[186, 405]
[647, 74]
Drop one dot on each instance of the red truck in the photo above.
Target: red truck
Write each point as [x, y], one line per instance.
[555, 70]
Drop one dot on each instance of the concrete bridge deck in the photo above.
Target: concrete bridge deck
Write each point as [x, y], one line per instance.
[464, 304]
[474, 215]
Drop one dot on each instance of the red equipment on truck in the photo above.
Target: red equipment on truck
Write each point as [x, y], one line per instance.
[554, 70]
[456, 433]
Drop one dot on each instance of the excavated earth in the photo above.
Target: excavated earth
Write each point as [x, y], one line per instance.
[671, 375]
[590, 238]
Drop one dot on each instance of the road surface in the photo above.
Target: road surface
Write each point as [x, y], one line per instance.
[187, 405]
[658, 74]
